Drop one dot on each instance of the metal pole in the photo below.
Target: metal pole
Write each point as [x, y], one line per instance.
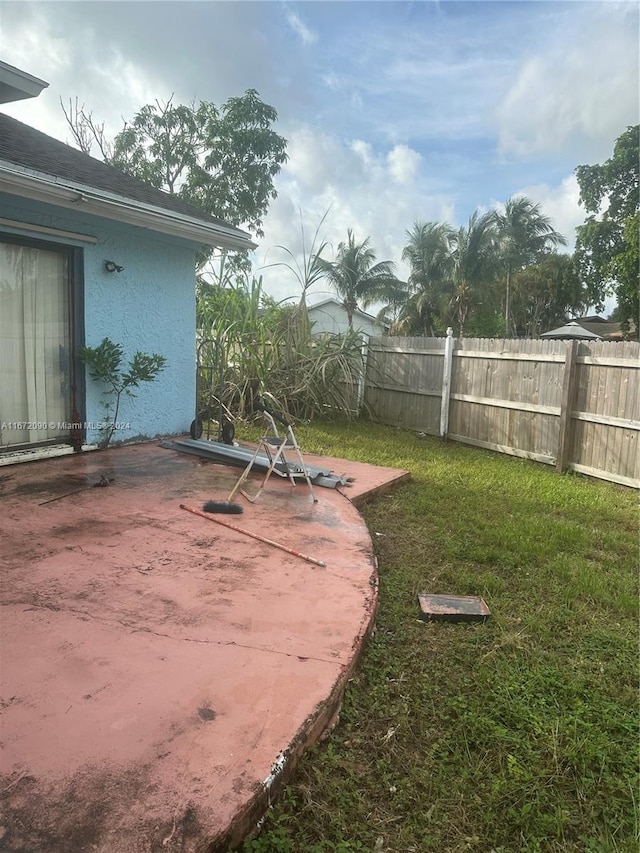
[254, 536]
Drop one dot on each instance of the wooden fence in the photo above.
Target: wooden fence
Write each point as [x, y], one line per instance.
[571, 404]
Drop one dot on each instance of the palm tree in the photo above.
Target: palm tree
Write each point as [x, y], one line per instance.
[525, 234]
[475, 255]
[429, 255]
[356, 276]
[394, 297]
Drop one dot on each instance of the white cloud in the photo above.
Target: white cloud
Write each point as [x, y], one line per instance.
[364, 150]
[404, 163]
[296, 23]
[331, 81]
[583, 84]
[110, 84]
[318, 161]
[34, 46]
[358, 186]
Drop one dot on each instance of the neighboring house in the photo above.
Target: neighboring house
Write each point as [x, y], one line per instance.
[330, 317]
[87, 252]
[593, 328]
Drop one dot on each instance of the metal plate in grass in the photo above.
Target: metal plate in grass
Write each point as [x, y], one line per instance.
[453, 608]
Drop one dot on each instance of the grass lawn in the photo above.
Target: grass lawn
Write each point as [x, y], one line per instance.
[517, 735]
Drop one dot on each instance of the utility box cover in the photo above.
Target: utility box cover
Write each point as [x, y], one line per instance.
[453, 608]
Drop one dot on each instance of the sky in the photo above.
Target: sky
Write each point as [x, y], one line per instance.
[394, 111]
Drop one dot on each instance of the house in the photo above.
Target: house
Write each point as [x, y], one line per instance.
[87, 252]
[330, 317]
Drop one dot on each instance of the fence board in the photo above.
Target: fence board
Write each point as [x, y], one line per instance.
[404, 382]
[507, 395]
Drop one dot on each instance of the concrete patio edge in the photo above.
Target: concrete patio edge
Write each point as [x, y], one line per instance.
[317, 726]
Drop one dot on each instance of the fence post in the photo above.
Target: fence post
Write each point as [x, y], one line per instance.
[362, 381]
[568, 379]
[446, 384]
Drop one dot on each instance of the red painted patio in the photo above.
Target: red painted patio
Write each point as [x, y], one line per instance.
[162, 673]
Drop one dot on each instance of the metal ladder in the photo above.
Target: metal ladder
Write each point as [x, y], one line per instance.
[273, 445]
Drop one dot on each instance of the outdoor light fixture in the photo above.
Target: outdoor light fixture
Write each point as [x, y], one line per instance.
[112, 266]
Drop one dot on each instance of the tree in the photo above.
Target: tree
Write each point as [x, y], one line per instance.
[451, 275]
[429, 254]
[607, 243]
[546, 294]
[524, 235]
[475, 258]
[356, 276]
[222, 160]
[86, 130]
[395, 296]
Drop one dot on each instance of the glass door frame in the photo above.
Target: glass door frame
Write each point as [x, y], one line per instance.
[75, 285]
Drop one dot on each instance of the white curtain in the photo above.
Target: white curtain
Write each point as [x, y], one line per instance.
[34, 345]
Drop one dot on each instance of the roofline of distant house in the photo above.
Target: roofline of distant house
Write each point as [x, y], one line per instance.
[41, 186]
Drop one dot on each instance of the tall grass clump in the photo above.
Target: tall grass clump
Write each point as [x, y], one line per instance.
[270, 348]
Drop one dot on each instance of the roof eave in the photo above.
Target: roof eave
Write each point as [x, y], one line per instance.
[47, 188]
[17, 85]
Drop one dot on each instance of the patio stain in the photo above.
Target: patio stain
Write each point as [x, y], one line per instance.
[10, 486]
[78, 816]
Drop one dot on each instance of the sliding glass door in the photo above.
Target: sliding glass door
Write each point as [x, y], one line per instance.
[35, 349]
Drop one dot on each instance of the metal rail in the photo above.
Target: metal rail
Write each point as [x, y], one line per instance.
[241, 456]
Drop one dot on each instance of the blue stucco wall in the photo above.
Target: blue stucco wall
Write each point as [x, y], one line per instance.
[150, 306]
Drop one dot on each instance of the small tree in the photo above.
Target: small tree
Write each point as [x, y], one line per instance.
[105, 365]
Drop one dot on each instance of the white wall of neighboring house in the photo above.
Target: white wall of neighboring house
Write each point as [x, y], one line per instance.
[330, 317]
